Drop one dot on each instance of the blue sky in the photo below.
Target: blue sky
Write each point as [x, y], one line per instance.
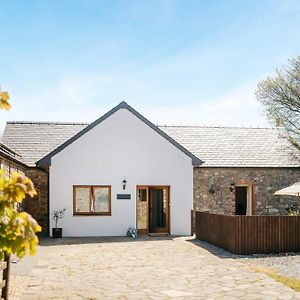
[177, 62]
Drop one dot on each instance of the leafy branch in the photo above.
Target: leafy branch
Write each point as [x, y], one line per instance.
[17, 229]
[280, 95]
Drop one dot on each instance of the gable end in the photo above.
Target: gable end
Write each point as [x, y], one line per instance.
[46, 161]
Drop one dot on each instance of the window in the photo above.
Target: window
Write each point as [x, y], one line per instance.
[91, 200]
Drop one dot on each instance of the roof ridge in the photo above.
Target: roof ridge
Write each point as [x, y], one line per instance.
[47, 123]
[159, 125]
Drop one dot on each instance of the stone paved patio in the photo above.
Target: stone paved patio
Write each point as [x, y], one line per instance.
[147, 268]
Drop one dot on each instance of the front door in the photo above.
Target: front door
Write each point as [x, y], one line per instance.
[158, 209]
[153, 209]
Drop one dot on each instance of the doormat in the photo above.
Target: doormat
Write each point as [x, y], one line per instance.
[158, 234]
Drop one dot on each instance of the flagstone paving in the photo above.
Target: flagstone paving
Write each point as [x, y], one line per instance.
[146, 268]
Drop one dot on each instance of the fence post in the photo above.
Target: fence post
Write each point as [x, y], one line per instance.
[5, 276]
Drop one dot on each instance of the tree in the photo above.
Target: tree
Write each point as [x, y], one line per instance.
[17, 229]
[4, 97]
[280, 95]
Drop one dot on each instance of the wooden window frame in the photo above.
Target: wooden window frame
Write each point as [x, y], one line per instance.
[90, 213]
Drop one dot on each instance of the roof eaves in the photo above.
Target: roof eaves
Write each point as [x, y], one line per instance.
[8, 150]
[13, 159]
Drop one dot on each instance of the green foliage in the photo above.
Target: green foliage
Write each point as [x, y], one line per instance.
[291, 210]
[17, 229]
[280, 95]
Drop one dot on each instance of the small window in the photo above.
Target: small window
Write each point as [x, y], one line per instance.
[92, 200]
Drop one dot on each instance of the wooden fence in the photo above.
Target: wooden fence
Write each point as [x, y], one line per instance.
[4, 277]
[249, 234]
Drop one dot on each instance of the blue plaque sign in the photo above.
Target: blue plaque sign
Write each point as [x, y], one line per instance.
[124, 196]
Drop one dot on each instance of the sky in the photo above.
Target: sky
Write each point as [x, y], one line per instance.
[175, 61]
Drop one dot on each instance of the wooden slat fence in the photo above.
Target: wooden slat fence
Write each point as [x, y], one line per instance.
[4, 277]
[249, 234]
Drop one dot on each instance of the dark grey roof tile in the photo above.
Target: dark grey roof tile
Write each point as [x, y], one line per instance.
[34, 140]
[237, 146]
[216, 146]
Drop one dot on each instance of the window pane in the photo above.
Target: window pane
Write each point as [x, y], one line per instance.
[143, 195]
[101, 199]
[142, 209]
[82, 198]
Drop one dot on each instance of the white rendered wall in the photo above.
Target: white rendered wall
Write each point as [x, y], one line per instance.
[121, 147]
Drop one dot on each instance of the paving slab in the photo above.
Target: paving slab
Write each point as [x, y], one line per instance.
[145, 268]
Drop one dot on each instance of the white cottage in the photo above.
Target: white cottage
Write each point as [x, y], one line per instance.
[121, 171]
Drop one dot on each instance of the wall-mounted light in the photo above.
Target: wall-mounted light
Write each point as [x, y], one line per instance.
[124, 184]
[231, 187]
[211, 186]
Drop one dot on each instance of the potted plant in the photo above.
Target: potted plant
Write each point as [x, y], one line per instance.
[57, 214]
[291, 210]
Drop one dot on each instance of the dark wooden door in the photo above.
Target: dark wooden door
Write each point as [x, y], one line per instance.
[241, 200]
[158, 209]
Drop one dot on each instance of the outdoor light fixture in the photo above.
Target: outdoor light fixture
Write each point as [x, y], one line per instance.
[211, 186]
[231, 187]
[124, 184]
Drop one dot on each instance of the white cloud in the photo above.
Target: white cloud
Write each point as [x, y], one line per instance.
[237, 107]
[85, 98]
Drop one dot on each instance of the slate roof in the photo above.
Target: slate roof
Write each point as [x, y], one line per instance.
[216, 146]
[237, 146]
[34, 140]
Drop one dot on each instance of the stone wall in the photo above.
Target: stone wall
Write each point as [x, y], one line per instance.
[212, 189]
[38, 205]
[10, 166]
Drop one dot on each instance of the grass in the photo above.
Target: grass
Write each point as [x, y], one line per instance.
[290, 282]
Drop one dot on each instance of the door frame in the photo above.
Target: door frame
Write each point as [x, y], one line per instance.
[168, 217]
[249, 204]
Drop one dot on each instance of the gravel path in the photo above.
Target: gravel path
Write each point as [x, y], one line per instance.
[286, 264]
